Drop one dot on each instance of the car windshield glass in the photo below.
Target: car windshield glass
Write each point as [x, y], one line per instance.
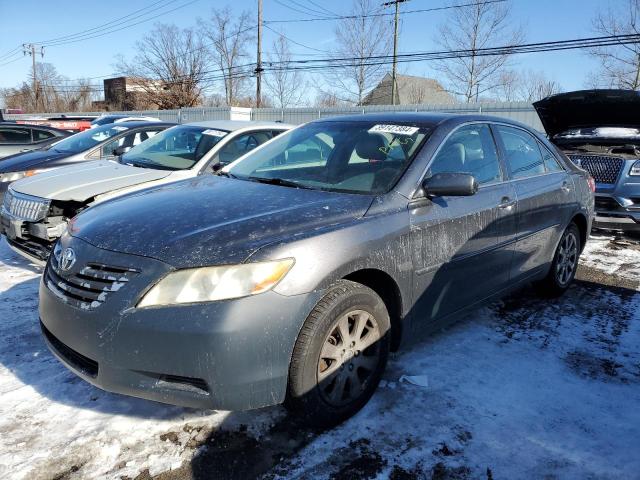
[356, 157]
[88, 139]
[177, 148]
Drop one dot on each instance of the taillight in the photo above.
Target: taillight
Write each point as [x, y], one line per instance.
[592, 184]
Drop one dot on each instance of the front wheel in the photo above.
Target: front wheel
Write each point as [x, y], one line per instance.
[565, 263]
[339, 356]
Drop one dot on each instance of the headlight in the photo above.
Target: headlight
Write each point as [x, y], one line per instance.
[208, 284]
[635, 168]
[13, 176]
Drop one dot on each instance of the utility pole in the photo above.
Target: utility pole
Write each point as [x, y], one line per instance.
[394, 83]
[30, 49]
[259, 59]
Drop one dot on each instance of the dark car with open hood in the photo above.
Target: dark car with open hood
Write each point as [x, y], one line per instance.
[599, 130]
[290, 275]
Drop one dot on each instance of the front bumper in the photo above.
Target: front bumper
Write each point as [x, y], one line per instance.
[230, 355]
[617, 213]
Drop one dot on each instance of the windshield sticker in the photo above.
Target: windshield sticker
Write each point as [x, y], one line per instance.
[394, 129]
[118, 128]
[214, 133]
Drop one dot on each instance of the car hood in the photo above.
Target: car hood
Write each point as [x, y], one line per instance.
[86, 180]
[24, 161]
[589, 108]
[211, 220]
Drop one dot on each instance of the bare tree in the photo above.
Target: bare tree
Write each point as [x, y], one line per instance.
[526, 86]
[170, 68]
[327, 100]
[56, 93]
[230, 37]
[285, 85]
[361, 36]
[619, 64]
[475, 27]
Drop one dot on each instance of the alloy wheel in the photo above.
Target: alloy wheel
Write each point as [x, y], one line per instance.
[567, 258]
[349, 356]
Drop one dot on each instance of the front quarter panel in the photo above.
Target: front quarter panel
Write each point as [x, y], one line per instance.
[379, 242]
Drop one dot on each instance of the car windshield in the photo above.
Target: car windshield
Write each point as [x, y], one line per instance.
[88, 139]
[356, 157]
[177, 148]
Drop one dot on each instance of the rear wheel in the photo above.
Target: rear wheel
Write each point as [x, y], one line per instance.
[565, 263]
[339, 356]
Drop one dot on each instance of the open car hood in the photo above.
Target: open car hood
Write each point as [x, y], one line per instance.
[589, 108]
[85, 180]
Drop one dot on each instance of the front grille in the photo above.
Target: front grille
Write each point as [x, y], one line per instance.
[606, 204]
[25, 207]
[75, 359]
[602, 169]
[88, 288]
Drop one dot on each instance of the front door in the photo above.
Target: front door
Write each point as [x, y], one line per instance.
[461, 249]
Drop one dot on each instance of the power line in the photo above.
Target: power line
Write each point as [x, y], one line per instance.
[352, 17]
[91, 36]
[320, 65]
[294, 42]
[105, 25]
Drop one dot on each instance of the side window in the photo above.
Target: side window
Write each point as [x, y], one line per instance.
[41, 135]
[15, 135]
[470, 149]
[550, 161]
[522, 151]
[240, 145]
[130, 140]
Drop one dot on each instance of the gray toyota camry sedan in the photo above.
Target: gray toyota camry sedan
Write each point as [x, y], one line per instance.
[291, 275]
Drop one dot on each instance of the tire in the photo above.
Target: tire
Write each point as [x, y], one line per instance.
[565, 264]
[331, 377]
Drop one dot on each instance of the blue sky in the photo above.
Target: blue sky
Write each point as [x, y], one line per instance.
[34, 21]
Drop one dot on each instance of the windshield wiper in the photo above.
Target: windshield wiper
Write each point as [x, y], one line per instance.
[222, 173]
[279, 181]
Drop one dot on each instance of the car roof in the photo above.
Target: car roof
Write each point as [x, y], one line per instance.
[232, 125]
[425, 119]
[9, 123]
[140, 123]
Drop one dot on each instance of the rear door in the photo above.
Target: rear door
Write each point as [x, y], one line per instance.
[543, 189]
[461, 248]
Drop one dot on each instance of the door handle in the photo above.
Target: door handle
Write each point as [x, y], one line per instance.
[506, 203]
[565, 187]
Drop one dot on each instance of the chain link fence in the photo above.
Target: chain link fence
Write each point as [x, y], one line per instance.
[520, 111]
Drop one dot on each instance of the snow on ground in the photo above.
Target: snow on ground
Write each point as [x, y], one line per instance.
[521, 389]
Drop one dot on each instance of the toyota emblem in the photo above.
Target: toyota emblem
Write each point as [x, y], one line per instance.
[67, 259]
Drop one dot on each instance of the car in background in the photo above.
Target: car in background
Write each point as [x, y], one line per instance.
[599, 130]
[105, 119]
[291, 275]
[104, 142]
[181, 152]
[16, 138]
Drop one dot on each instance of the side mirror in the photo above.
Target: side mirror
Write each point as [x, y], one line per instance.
[450, 184]
[121, 150]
